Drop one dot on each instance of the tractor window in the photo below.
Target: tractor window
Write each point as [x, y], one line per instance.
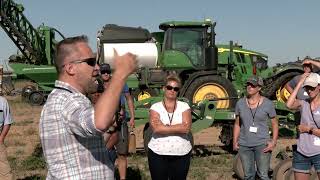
[261, 62]
[240, 57]
[190, 42]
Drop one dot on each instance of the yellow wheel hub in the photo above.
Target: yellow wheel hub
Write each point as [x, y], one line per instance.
[282, 94]
[212, 91]
[143, 95]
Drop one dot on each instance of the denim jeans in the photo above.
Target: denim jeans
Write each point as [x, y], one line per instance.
[303, 164]
[253, 158]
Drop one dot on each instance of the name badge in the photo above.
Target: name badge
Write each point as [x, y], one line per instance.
[253, 129]
[316, 141]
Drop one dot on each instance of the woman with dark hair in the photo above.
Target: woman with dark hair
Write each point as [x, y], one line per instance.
[251, 131]
[307, 153]
[170, 147]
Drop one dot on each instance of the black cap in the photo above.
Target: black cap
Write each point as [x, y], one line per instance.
[105, 68]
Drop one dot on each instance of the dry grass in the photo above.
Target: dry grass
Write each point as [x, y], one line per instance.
[27, 162]
[25, 155]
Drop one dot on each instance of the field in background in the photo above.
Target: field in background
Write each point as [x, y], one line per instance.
[209, 160]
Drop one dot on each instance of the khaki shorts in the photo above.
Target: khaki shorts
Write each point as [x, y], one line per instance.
[5, 170]
[123, 140]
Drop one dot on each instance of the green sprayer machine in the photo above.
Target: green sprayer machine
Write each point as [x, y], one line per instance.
[213, 76]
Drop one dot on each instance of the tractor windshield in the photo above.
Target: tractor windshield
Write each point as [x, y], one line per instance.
[261, 62]
[190, 42]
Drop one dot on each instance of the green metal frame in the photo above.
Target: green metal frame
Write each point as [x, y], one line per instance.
[21, 32]
[205, 114]
[36, 45]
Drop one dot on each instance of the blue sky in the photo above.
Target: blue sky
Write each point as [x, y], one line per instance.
[282, 29]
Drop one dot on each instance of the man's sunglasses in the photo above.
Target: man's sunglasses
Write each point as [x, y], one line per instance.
[176, 89]
[90, 61]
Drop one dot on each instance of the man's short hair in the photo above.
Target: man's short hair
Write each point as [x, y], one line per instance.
[66, 47]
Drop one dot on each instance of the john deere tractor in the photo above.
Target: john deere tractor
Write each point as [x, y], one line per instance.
[185, 48]
[207, 70]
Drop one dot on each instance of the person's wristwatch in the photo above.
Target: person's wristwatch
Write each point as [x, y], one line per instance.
[310, 131]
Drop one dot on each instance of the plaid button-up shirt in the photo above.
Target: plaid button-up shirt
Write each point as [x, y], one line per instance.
[72, 146]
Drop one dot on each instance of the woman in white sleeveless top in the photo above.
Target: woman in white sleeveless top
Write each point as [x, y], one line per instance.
[170, 148]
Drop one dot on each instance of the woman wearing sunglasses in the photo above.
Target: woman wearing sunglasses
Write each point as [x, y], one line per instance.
[251, 131]
[170, 148]
[307, 153]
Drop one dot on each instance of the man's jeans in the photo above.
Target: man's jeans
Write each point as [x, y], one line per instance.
[253, 158]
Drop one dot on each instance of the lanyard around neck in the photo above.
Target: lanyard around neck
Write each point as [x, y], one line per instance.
[253, 114]
[170, 118]
[62, 88]
[313, 116]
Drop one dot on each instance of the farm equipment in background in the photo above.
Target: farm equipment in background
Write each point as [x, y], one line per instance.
[208, 71]
[216, 73]
[213, 76]
[37, 47]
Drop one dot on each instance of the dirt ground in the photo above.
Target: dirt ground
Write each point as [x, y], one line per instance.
[23, 139]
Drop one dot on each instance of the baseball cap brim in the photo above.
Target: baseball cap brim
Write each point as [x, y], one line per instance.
[255, 83]
[312, 84]
[312, 80]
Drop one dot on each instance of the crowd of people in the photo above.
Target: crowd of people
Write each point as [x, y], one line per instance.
[251, 131]
[83, 139]
[84, 123]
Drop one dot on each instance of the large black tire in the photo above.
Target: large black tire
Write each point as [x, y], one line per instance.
[226, 136]
[36, 98]
[212, 87]
[290, 175]
[271, 87]
[238, 169]
[26, 92]
[237, 166]
[282, 169]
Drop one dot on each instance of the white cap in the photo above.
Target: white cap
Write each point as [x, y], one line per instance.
[312, 80]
